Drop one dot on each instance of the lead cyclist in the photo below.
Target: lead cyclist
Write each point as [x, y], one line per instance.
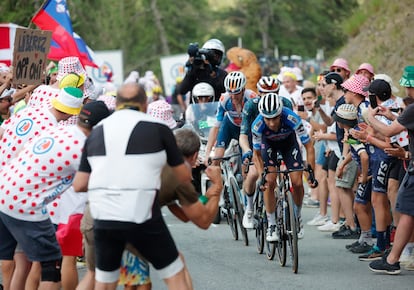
[266, 84]
[275, 130]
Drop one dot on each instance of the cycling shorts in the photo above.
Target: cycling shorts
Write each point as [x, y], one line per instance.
[289, 149]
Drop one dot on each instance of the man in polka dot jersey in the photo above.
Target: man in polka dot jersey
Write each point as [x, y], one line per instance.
[41, 172]
[28, 123]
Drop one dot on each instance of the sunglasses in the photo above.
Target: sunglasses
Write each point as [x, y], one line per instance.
[6, 99]
[338, 70]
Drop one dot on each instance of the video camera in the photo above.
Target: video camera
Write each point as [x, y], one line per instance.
[199, 56]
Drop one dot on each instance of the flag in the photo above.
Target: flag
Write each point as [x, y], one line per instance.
[54, 16]
[7, 35]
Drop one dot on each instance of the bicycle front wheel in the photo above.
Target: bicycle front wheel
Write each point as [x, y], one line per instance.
[239, 209]
[291, 229]
[259, 221]
[281, 244]
[230, 216]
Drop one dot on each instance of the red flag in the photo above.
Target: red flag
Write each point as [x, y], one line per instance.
[7, 35]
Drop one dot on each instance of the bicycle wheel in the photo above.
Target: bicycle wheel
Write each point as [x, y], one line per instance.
[239, 209]
[281, 244]
[270, 247]
[231, 217]
[291, 229]
[259, 222]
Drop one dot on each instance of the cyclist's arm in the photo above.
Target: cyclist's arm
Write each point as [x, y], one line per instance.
[258, 161]
[212, 137]
[244, 143]
[310, 154]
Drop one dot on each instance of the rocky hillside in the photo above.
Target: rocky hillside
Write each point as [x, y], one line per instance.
[385, 39]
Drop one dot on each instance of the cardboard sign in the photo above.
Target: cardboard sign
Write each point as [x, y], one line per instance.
[29, 56]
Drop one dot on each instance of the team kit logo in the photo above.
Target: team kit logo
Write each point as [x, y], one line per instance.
[43, 146]
[24, 127]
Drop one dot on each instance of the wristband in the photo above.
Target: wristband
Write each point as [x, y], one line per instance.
[203, 199]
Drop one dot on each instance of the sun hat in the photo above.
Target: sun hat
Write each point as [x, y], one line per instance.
[340, 62]
[366, 66]
[162, 111]
[72, 80]
[69, 101]
[298, 73]
[346, 114]
[388, 79]
[407, 79]
[380, 88]
[70, 64]
[356, 84]
[92, 113]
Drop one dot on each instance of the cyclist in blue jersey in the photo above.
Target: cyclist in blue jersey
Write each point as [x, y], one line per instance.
[229, 114]
[275, 130]
[266, 84]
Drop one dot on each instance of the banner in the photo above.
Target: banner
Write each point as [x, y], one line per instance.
[172, 67]
[110, 68]
[7, 35]
[29, 56]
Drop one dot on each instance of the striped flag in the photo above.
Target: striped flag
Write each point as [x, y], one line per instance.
[7, 35]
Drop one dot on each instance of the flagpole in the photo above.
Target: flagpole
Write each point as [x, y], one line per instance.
[38, 10]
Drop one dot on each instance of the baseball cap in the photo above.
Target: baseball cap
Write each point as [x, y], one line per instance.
[388, 79]
[380, 88]
[346, 114]
[333, 78]
[92, 113]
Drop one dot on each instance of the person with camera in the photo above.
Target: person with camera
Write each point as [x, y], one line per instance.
[204, 66]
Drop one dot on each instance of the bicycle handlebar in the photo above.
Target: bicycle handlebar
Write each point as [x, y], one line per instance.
[308, 169]
[225, 158]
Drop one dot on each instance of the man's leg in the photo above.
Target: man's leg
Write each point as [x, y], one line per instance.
[402, 236]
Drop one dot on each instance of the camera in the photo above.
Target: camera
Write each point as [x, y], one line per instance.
[199, 56]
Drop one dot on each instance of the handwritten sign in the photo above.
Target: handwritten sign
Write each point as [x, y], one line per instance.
[29, 56]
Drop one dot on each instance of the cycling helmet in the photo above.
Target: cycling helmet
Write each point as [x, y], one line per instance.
[235, 82]
[270, 105]
[217, 46]
[202, 90]
[268, 84]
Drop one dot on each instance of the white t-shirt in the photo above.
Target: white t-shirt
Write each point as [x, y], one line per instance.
[42, 171]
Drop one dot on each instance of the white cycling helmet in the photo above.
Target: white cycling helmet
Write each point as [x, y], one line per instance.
[235, 82]
[268, 84]
[270, 105]
[217, 46]
[202, 90]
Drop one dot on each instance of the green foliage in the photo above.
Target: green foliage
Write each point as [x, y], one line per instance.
[351, 25]
[147, 29]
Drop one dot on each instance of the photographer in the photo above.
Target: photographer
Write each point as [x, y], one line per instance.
[204, 66]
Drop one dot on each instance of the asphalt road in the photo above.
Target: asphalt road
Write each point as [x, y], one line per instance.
[216, 261]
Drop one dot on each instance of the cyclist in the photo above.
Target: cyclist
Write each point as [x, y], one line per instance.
[229, 114]
[274, 131]
[266, 84]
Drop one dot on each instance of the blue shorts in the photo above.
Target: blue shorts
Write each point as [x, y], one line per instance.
[380, 171]
[36, 239]
[227, 132]
[405, 198]
[320, 152]
[288, 148]
[363, 193]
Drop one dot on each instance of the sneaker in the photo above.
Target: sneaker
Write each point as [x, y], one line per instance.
[329, 227]
[311, 203]
[318, 220]
[345, 232]
[248, 219]
[409, 266]
[382, 266]
[271, 234]
[301, 232]
[374, 254]
[350, 246]
[361, 248]
[406, 255]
